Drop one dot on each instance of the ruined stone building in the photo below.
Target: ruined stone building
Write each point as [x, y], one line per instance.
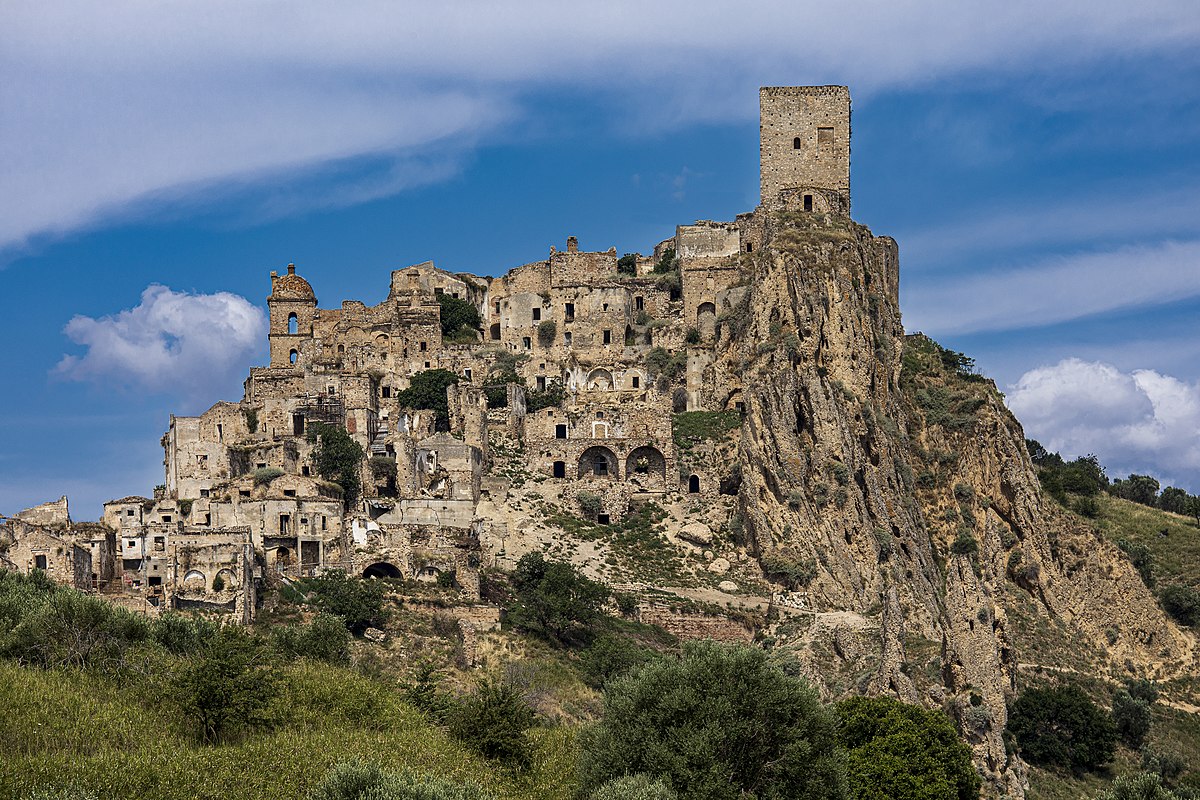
[579, 362]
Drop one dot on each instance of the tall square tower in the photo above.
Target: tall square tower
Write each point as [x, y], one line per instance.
[804, 138]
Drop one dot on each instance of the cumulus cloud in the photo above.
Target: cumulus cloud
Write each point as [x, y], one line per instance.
[1054, 290]
[1141, 421]
[188, 345]
[105, 104]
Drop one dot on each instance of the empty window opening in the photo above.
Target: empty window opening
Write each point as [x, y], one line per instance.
[243, 492]
[292, 356]
[560, 469]
[541, 383]
[467, 373]
[639, 303]
[289, 492]
[204, 492]
[537, 314]
[694, 484]
[427, 363]
[808, 202]
[305, 471]
[608, 337]
[796, 143]
[569, 312]
[439, 290]
[341, 349]
[387, 391]
[261, 465]
[527, 343]
[129, 513]
[285, 524]
[604, 307]
[454, 295]
[602, 519]
[220, 433]
[39, 562]
[739, 406]
[207, 520]
[155, 580]
[637, 382]
[567, 339]
[749, 247]
[293, 323]
[497, 306]
[560, 431]
[424, 346]
[297, 424]
[166, 517]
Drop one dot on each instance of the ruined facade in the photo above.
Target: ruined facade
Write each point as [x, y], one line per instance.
[579, 362]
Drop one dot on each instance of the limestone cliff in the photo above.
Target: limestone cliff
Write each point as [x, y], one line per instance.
[893, 490]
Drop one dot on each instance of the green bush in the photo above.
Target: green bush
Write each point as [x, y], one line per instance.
[719, 723]
[427, 390]
[1142, 559]
[1182, 603]
[903, 752]
[627, 264]
[382, 467]
[365, 780]
[358, 601]
[634, 787]
[792, 571]
[228, 689]
[1131, 717]
[610, 656]
[550, 397]
[264, 475]
[324, 639]
[1061, 726]
[183, 635]
[457, 315]
[338, 458]
[494, 721]
[1138, 787]
[546, 331]
[590, 504]
[964, 545]
[554, 600]
[692, 336]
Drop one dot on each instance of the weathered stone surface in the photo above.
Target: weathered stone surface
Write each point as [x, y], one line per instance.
[727, 586]
[374, 635]
[697, 533]
[719, 566]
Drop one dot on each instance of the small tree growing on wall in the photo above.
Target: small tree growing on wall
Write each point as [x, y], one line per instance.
[337, 458]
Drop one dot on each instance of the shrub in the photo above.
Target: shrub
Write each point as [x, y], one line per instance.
[357, 601]
[611, 656]
[365, 780]
[337, 457]
[324, 639]
[264, 475]
[1182, 603]
[382, 467]
[692, 336]
[627, 264]
[227, 689]
[251, 416]
[719, 723]
[590, 504]
[903, 752]
[1141, 558]
[427, 390]
[1131, 717]
[964, 545]
[546, 331]
[494, 721]
[1139, 488]
[554, 600]
[457, 315]
[1087, 507]
[1138, 787]
[183, 635]
[60, 627]
[792, 571]
[1061, 726]
[550, 397]
[634, 787]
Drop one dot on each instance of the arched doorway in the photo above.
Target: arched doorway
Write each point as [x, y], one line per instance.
[694, 484]
[382, 569]
[645, 461]
[598, 462]
[706, 320]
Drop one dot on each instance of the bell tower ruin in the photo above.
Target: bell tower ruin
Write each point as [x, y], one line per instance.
[804, 139]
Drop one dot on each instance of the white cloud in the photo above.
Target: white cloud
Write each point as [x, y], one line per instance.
[1141, 421]
[103, 104]
[188, 345]
[1053, 291]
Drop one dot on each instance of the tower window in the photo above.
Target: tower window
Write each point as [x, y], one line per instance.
[796, 143]
[293, 323]
[292, 356]
[808, 202]
[824, 135]
[569, 312]
[537, 314]
[608, 337]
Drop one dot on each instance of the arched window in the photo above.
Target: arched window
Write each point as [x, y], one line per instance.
[796, 143]
[598, 462]
[341, 349]
[292, 356]
[694, 484]
[293, 323]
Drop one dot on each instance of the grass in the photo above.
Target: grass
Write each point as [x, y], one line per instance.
[1176, 554]
[65, 728]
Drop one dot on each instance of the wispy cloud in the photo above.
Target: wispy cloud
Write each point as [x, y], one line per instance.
[1141, 421]
[107, 104]
[186, 345]
[1055, 290]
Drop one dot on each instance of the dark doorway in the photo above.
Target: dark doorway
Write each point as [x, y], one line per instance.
[560, 469]
[694, 484]
[382, 569]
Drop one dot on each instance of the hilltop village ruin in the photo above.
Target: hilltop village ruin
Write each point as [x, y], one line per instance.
[576, 371]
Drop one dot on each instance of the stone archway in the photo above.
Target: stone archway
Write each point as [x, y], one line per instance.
[646, 461]
[382, 569]
[598, 462]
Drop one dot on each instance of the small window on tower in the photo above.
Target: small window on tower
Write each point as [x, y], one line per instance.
[424, 346]
[537, 314]
[608, 337]
[796, 143]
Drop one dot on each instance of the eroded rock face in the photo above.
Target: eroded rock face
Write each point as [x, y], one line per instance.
[902, 485]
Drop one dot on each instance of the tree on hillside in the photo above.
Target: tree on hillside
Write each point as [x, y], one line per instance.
[338, 458]
[554, 599]
[457, 315]
[718, 723]
[228, 688]
[1138, 488]
[1061, 726]
[1174, 500]
[358, 602]
[897, 751]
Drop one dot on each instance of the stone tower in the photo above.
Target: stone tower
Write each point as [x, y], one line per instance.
[292, 306]
[804, 139]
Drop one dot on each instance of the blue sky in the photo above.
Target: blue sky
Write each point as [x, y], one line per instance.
[1039, 164]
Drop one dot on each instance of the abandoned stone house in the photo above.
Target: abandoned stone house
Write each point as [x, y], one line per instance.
[610, 348]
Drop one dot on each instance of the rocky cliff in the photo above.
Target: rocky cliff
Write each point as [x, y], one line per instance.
[891, 489]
